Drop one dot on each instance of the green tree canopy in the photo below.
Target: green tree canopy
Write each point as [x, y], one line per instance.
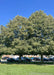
[34, 35]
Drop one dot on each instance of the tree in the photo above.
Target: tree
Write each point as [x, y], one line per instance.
[34, 35]
[14, 36]
[43, 27]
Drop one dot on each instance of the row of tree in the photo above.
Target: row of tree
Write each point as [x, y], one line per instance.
[34, 35]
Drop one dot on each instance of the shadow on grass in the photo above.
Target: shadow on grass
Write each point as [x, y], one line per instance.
[36, 63]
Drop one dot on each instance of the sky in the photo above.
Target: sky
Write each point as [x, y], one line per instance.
[11, 8]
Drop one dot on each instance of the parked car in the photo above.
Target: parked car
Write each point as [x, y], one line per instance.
[10, 60]
[45, 59]
[39, 59]
[13, 58]
[25, 59]
[16, 59]
[4, 59]
[36, 58]
[51, 59]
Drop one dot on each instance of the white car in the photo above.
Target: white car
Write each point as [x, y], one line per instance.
[3, 60]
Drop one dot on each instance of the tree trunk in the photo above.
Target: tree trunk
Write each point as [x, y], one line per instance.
[20, 57]
[42, 57]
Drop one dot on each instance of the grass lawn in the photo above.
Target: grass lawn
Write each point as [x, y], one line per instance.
[26, 69]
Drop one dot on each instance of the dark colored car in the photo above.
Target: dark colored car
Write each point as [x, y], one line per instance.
[51, 59]
[16, 59]
[36, 58]
[26, 59]
[5, 58]
[10, 60]
[39, 59]
[45, 59]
